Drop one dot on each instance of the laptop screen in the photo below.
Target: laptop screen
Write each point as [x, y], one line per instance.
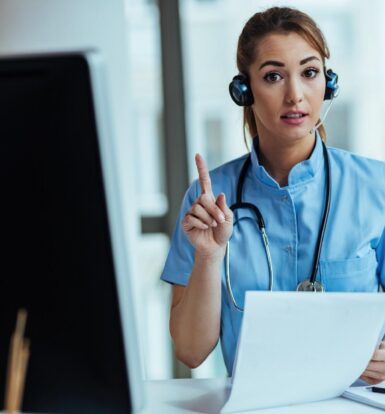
[56, 254]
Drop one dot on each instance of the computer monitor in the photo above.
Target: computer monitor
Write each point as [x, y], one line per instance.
[58, 221]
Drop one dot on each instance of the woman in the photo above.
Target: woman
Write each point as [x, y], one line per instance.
[281, 58]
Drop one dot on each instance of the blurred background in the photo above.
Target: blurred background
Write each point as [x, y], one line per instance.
[182, 58]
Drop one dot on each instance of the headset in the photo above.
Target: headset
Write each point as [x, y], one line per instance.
[240, 90]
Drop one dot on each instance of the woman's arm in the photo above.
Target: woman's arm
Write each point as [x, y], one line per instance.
[196, 308]
[196, 311]
[375, 371]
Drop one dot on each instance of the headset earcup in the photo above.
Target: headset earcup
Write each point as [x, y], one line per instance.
[331, 89]
[240, 90]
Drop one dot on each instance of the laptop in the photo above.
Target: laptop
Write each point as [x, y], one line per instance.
[64, 256]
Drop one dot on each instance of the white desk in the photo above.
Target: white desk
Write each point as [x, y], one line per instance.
[209, 395]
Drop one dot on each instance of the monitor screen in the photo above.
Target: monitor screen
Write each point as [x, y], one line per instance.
[56, 254]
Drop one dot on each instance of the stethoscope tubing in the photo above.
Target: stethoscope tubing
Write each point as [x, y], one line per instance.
[311, 284]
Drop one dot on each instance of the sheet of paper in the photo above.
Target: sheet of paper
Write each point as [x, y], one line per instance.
[298, 347]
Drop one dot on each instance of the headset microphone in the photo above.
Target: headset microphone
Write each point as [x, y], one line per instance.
[323, 118]
[331, 91]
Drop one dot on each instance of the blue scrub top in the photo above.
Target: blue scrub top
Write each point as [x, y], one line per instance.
[352, 256]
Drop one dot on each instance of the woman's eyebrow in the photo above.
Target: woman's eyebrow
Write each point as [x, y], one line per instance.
[280, 64]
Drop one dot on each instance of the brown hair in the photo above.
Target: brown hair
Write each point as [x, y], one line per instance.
[275, 20]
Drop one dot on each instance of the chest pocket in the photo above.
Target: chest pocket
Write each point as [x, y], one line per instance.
[350, 275]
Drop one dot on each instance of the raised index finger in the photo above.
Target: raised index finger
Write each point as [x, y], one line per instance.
[204, 177]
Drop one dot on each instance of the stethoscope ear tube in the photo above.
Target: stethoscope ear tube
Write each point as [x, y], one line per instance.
[265, 239]
[325, 215]
[255, 209]
[312, 285]
[228, 282]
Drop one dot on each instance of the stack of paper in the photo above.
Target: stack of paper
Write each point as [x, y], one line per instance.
[298, 347]
[366, 396]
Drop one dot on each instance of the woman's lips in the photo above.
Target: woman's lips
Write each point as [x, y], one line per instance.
[294, 121]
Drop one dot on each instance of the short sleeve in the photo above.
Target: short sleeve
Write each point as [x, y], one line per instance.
[380, 254]
[180, 259]
[380, 249]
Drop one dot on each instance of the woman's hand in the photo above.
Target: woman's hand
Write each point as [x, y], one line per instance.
[209, 222]
[375, 371]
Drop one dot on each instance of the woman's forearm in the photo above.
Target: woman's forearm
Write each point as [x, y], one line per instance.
[195, 319]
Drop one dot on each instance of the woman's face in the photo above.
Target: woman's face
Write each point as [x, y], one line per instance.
[286, 76]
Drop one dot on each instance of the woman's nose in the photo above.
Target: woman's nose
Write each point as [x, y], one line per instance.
[294, 93]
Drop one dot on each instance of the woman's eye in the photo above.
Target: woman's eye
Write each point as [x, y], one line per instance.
[311, 72]
[272, 77]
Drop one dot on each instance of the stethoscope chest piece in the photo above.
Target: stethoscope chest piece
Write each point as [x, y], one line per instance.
[308, 286]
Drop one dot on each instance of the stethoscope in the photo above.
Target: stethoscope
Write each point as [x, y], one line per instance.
[309, 285]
